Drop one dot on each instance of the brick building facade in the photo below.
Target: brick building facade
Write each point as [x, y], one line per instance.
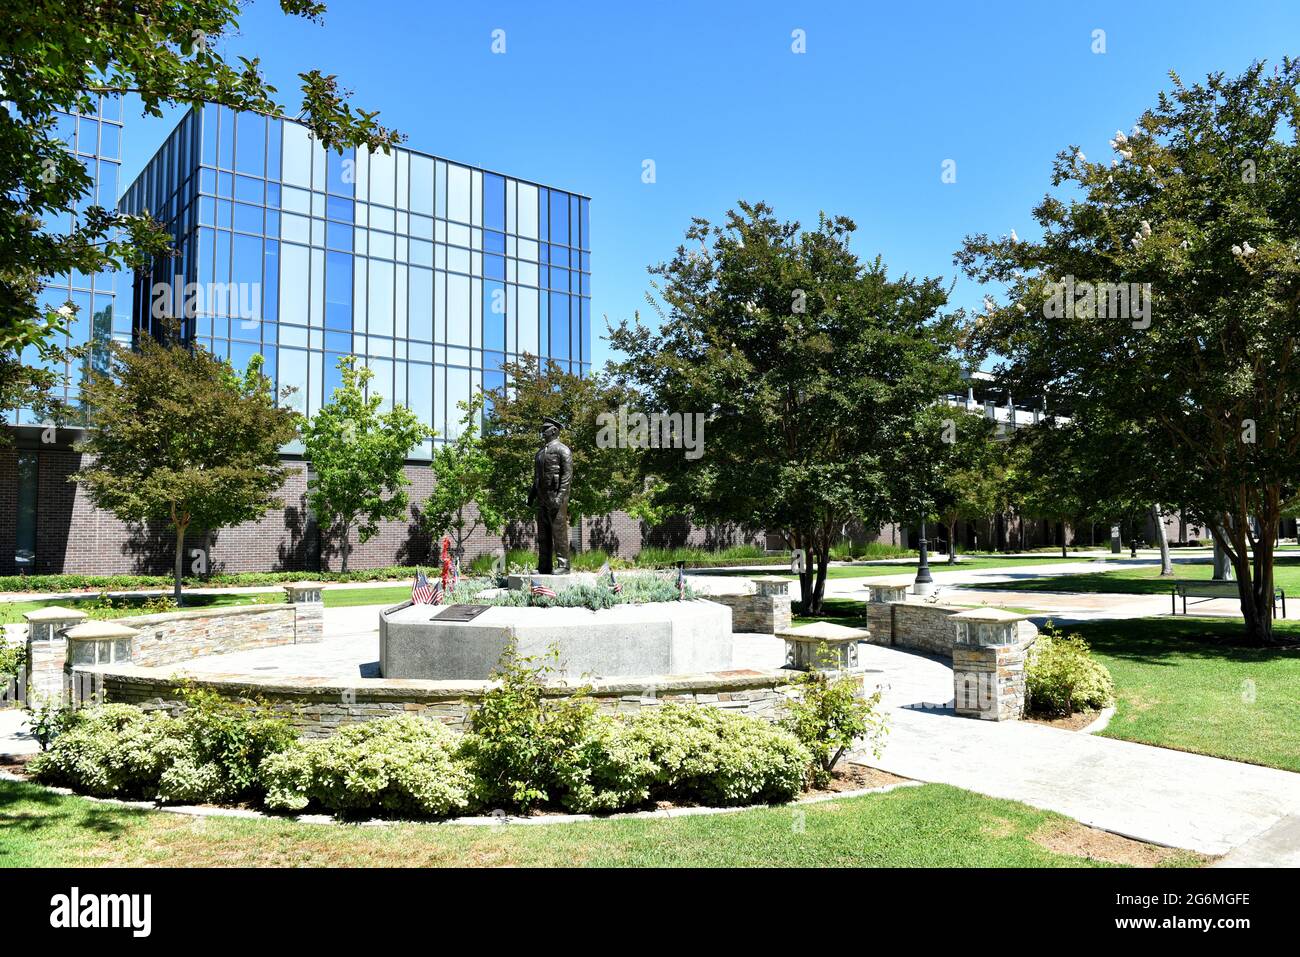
[72, 536]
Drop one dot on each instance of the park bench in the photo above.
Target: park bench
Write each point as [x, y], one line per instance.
[1216, 589]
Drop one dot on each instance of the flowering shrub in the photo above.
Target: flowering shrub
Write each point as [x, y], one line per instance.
[398, 765]
[224, 745]
[1062, 677]
[679, 753]
[524, 744]
[829, 716]
[211, 752]
[111, 750]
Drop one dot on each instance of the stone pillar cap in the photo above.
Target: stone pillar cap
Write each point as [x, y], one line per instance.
[824, 631]
[92, 630]
[54, 613]
[896, 581]
[996, 616]
[770, 578]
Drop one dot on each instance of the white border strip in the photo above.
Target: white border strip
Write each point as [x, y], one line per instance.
[476, 821]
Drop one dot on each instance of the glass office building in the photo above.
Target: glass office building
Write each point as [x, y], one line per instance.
[434, 273]
[96, 140]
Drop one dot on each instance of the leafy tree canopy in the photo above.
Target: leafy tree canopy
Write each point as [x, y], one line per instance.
[61, 55]
[178, 435]
[1164, 294]
[810, 366]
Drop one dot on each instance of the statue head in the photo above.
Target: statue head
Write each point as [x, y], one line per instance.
[550, 429]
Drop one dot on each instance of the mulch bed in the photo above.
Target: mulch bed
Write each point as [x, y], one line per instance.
[1073, 722]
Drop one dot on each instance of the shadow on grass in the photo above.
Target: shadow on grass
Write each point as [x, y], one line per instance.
[1162, 641]
[34, 810]
[840, 611]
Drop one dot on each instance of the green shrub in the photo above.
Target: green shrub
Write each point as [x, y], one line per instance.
[637, 589]
[524, 745]
[211, 752]
[111, 750]
[13, 658]
[1062, 677]
[685, 754]
[224, 745]
[706, 558]
[398, 765]
[859, 551]
[829, 716]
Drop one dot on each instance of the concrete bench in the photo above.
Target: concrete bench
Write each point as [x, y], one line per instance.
[1208, 590]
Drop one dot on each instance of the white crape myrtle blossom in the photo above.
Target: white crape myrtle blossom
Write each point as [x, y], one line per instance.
[1079, 157]
[1014, 237]
[1243, 251]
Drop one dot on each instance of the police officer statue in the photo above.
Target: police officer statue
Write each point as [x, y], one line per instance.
[552, 478]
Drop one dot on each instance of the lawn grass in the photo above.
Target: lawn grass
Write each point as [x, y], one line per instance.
[929, 826]
[883, 569]
[127, 606]
[1184, 683]
[1146, 580]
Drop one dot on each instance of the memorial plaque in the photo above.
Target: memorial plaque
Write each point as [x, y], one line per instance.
[460, 613]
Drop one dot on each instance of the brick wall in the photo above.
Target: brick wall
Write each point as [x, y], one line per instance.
[75, 537]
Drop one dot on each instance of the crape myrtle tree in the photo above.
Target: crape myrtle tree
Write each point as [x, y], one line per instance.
[459, 504]
[61, 55]
[178, 435]
[357, 452]
[1202, 202]
[606, 475]
[811, 365]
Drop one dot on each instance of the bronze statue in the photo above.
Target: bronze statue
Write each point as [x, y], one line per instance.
[552, 478]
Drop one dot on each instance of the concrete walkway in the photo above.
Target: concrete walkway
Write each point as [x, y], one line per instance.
[1153, 794]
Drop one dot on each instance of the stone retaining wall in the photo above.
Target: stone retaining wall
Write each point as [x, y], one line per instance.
[318, 707]
[918, 625]
[179, 636]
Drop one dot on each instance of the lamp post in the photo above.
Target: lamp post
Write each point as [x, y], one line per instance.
[924, 583]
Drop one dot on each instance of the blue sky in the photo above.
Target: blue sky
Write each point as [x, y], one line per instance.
[858, 125]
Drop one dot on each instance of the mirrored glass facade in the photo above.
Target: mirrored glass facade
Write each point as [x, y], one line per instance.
[96, 140]
[434, 272]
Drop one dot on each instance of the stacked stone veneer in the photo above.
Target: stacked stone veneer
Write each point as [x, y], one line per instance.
[318, 707]
[988, 670]
[765, 612]
[179, 636]
[170, 637]
[988, 677]
[918, 625]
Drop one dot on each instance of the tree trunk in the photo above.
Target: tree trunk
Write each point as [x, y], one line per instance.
[812, 580]
[952, 542]
[1065, 551]
[1166, 563]
[1222, 566]
[180, 560]
[346, 546]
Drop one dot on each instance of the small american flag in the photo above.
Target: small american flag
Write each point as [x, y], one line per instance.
[614, 583]
[422, 593]
[455, 572]
[541, 588]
